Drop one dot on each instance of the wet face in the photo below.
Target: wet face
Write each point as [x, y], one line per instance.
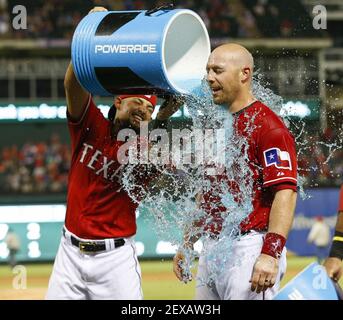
[131, 111]
[223, 77]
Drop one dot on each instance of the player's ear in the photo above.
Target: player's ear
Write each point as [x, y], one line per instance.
[245, 74]
[117, 102]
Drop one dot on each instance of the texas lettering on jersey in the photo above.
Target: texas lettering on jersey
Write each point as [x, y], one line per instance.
[100, 164]
[98, 206]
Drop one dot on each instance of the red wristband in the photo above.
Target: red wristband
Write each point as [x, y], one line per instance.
[273, 244]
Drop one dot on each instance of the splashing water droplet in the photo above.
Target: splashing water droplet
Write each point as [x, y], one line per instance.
[170, 202]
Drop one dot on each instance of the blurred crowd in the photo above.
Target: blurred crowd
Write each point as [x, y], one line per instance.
[56, 19]
[42, 167]
[36, 167]
[320, 158]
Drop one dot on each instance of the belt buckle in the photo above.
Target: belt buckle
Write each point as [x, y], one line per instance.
[84, 244]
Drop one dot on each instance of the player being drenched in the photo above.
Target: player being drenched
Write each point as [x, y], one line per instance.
[258, 260]
[97, 257]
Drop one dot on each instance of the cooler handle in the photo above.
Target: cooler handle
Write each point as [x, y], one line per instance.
[169, 6]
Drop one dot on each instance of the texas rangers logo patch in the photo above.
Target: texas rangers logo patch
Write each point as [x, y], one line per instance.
[276, 157]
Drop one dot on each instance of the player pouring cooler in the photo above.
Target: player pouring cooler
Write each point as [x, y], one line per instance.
[97, 258]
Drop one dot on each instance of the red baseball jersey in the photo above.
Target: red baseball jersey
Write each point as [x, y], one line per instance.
[272, 159]
[97, 205]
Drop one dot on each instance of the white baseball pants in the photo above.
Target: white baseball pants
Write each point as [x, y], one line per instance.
[233, 281]
[113, 274]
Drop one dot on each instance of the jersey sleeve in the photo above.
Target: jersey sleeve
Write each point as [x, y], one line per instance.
[91, 118]
[277, 154]
[284, 186]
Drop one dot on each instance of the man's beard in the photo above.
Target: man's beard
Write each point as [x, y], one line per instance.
[134, 127]
[124, 124]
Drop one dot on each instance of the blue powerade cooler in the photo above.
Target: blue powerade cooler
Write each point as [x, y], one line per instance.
[125, 52]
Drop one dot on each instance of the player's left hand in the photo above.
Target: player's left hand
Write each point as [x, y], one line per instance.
[97, 9]
[170, 105]
[264, 273]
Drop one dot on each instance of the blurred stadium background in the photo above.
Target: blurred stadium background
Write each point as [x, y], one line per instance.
[302, 64]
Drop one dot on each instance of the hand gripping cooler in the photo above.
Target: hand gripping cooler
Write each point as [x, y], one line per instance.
[125, 52]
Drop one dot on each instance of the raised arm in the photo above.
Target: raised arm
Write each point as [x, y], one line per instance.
[76, 95]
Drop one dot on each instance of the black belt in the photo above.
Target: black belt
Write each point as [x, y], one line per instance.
[236, 233]
[93, 246]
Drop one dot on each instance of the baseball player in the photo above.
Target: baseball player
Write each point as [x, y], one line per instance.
[333, 264]
[258, 259]
[97, 257]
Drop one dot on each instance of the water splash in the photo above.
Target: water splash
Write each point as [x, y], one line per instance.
[172, 207]
[266, 95]
[171, 204]
[314, 155]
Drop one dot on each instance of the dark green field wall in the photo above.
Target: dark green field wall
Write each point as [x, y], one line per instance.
[20, 133]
